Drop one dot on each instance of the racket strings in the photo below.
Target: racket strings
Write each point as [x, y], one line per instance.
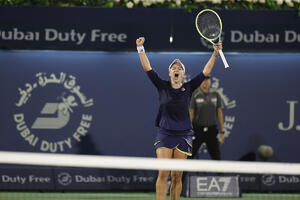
[209, 25]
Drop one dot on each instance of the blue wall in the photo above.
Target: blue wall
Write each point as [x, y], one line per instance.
[114, 104]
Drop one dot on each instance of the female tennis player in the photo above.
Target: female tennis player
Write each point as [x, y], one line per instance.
[174, 136]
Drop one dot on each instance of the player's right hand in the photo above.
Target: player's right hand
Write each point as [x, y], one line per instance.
[218, 46]
[140, 41]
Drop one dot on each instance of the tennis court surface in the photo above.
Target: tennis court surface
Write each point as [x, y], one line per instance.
[129, 195]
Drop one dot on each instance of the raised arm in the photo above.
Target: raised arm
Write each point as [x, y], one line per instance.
[142, 54]
[211, 62]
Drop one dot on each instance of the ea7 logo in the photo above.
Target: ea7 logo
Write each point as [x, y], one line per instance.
[208, 184]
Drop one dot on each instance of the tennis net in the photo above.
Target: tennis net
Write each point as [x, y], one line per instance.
[65, 176]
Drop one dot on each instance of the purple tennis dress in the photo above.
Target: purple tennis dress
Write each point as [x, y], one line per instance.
[173, 118]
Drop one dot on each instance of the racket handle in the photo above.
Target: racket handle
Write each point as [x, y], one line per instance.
[223, 58]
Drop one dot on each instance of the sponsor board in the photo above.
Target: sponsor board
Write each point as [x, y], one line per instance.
[276, 30]
[55, 114]
[280, 183]
[16, 178]
[103, 179]
[214, 186]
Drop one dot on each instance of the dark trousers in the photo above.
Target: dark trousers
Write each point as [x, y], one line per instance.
[209, 136]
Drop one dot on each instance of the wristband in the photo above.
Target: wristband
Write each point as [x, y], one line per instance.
[222, 132]
[140, 49]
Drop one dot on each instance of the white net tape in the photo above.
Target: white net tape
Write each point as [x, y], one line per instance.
[120, 162]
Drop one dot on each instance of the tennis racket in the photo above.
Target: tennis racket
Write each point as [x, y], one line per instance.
[209, 26]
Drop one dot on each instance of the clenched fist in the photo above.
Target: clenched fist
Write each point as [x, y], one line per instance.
[140, 41]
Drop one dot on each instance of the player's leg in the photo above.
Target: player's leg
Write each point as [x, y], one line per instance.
[162, 179]
[176, 177]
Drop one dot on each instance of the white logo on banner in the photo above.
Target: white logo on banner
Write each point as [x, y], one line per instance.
[291, 122]
[54, 115]
[31, 178]
[289, 179]
[288, 36]
[64, 178]
[214, 186]
[268, 180]
[55, 35]
[219, 184]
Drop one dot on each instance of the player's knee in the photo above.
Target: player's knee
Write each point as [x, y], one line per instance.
[176, 177]
[163, 175]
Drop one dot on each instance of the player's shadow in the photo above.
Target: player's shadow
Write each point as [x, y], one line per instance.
[251, 156]
[87, 146]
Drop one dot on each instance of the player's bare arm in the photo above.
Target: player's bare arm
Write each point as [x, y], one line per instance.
[142, 54]
[211, 62]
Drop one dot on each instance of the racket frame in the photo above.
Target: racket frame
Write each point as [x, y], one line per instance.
[217, 37]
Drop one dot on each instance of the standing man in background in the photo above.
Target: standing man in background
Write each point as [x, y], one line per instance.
[205, 110]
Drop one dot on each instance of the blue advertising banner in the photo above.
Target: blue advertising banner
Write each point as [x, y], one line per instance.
[26, 178]
[103, 103]
[250, 182]
[75, 179]
[80, 179]
[201, 184]
[104, 179]
[116, 29]
[283, 183]
[88, 179]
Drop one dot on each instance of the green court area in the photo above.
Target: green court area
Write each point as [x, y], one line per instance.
[129, 195]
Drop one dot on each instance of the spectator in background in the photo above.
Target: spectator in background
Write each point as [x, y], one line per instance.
[205, 111]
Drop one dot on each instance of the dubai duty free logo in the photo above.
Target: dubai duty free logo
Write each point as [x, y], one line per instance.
[64, 178]
[268, 179]
[60, 103]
